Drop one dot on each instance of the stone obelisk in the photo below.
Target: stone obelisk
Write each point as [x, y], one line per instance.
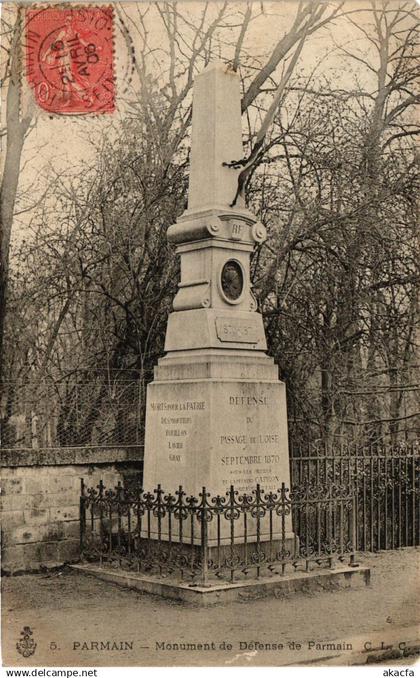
[216, 410]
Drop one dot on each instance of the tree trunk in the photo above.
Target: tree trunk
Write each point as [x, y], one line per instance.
[16, 130]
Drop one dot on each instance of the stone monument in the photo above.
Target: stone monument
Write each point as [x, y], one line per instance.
[216, 410]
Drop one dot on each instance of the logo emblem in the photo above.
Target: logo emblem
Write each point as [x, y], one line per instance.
[26, 645]
[237, 227]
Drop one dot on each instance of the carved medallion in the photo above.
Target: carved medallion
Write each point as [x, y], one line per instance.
[232, 280]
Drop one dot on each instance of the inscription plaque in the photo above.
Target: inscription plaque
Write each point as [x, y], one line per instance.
[237, 330]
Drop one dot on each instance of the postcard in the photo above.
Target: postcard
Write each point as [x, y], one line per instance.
[209, 378]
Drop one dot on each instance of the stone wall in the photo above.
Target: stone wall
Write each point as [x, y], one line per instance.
[40, 500]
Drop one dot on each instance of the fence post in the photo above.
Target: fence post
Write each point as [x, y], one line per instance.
[352, 562]
[82, 517]
[283, 526]
[204, 540]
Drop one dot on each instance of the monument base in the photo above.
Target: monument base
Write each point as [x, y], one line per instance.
[225, 592]
[223, 553]
[216, 419]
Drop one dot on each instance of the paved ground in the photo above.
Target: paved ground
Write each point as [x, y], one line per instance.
[67, 609]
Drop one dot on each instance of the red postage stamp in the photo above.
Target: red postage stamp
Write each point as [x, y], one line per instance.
[69, 59]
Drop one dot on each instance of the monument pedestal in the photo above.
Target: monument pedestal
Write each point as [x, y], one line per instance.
[222, 422]
[217, 418]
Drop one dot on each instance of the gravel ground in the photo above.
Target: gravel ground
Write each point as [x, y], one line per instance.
[67, 609]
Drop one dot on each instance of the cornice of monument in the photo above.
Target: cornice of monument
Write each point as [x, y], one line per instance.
[219, 222]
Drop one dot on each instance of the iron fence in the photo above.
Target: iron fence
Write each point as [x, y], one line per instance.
[206, 538]
[386, 484]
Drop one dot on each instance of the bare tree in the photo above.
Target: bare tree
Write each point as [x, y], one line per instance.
[343, 306]
[17, 126]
